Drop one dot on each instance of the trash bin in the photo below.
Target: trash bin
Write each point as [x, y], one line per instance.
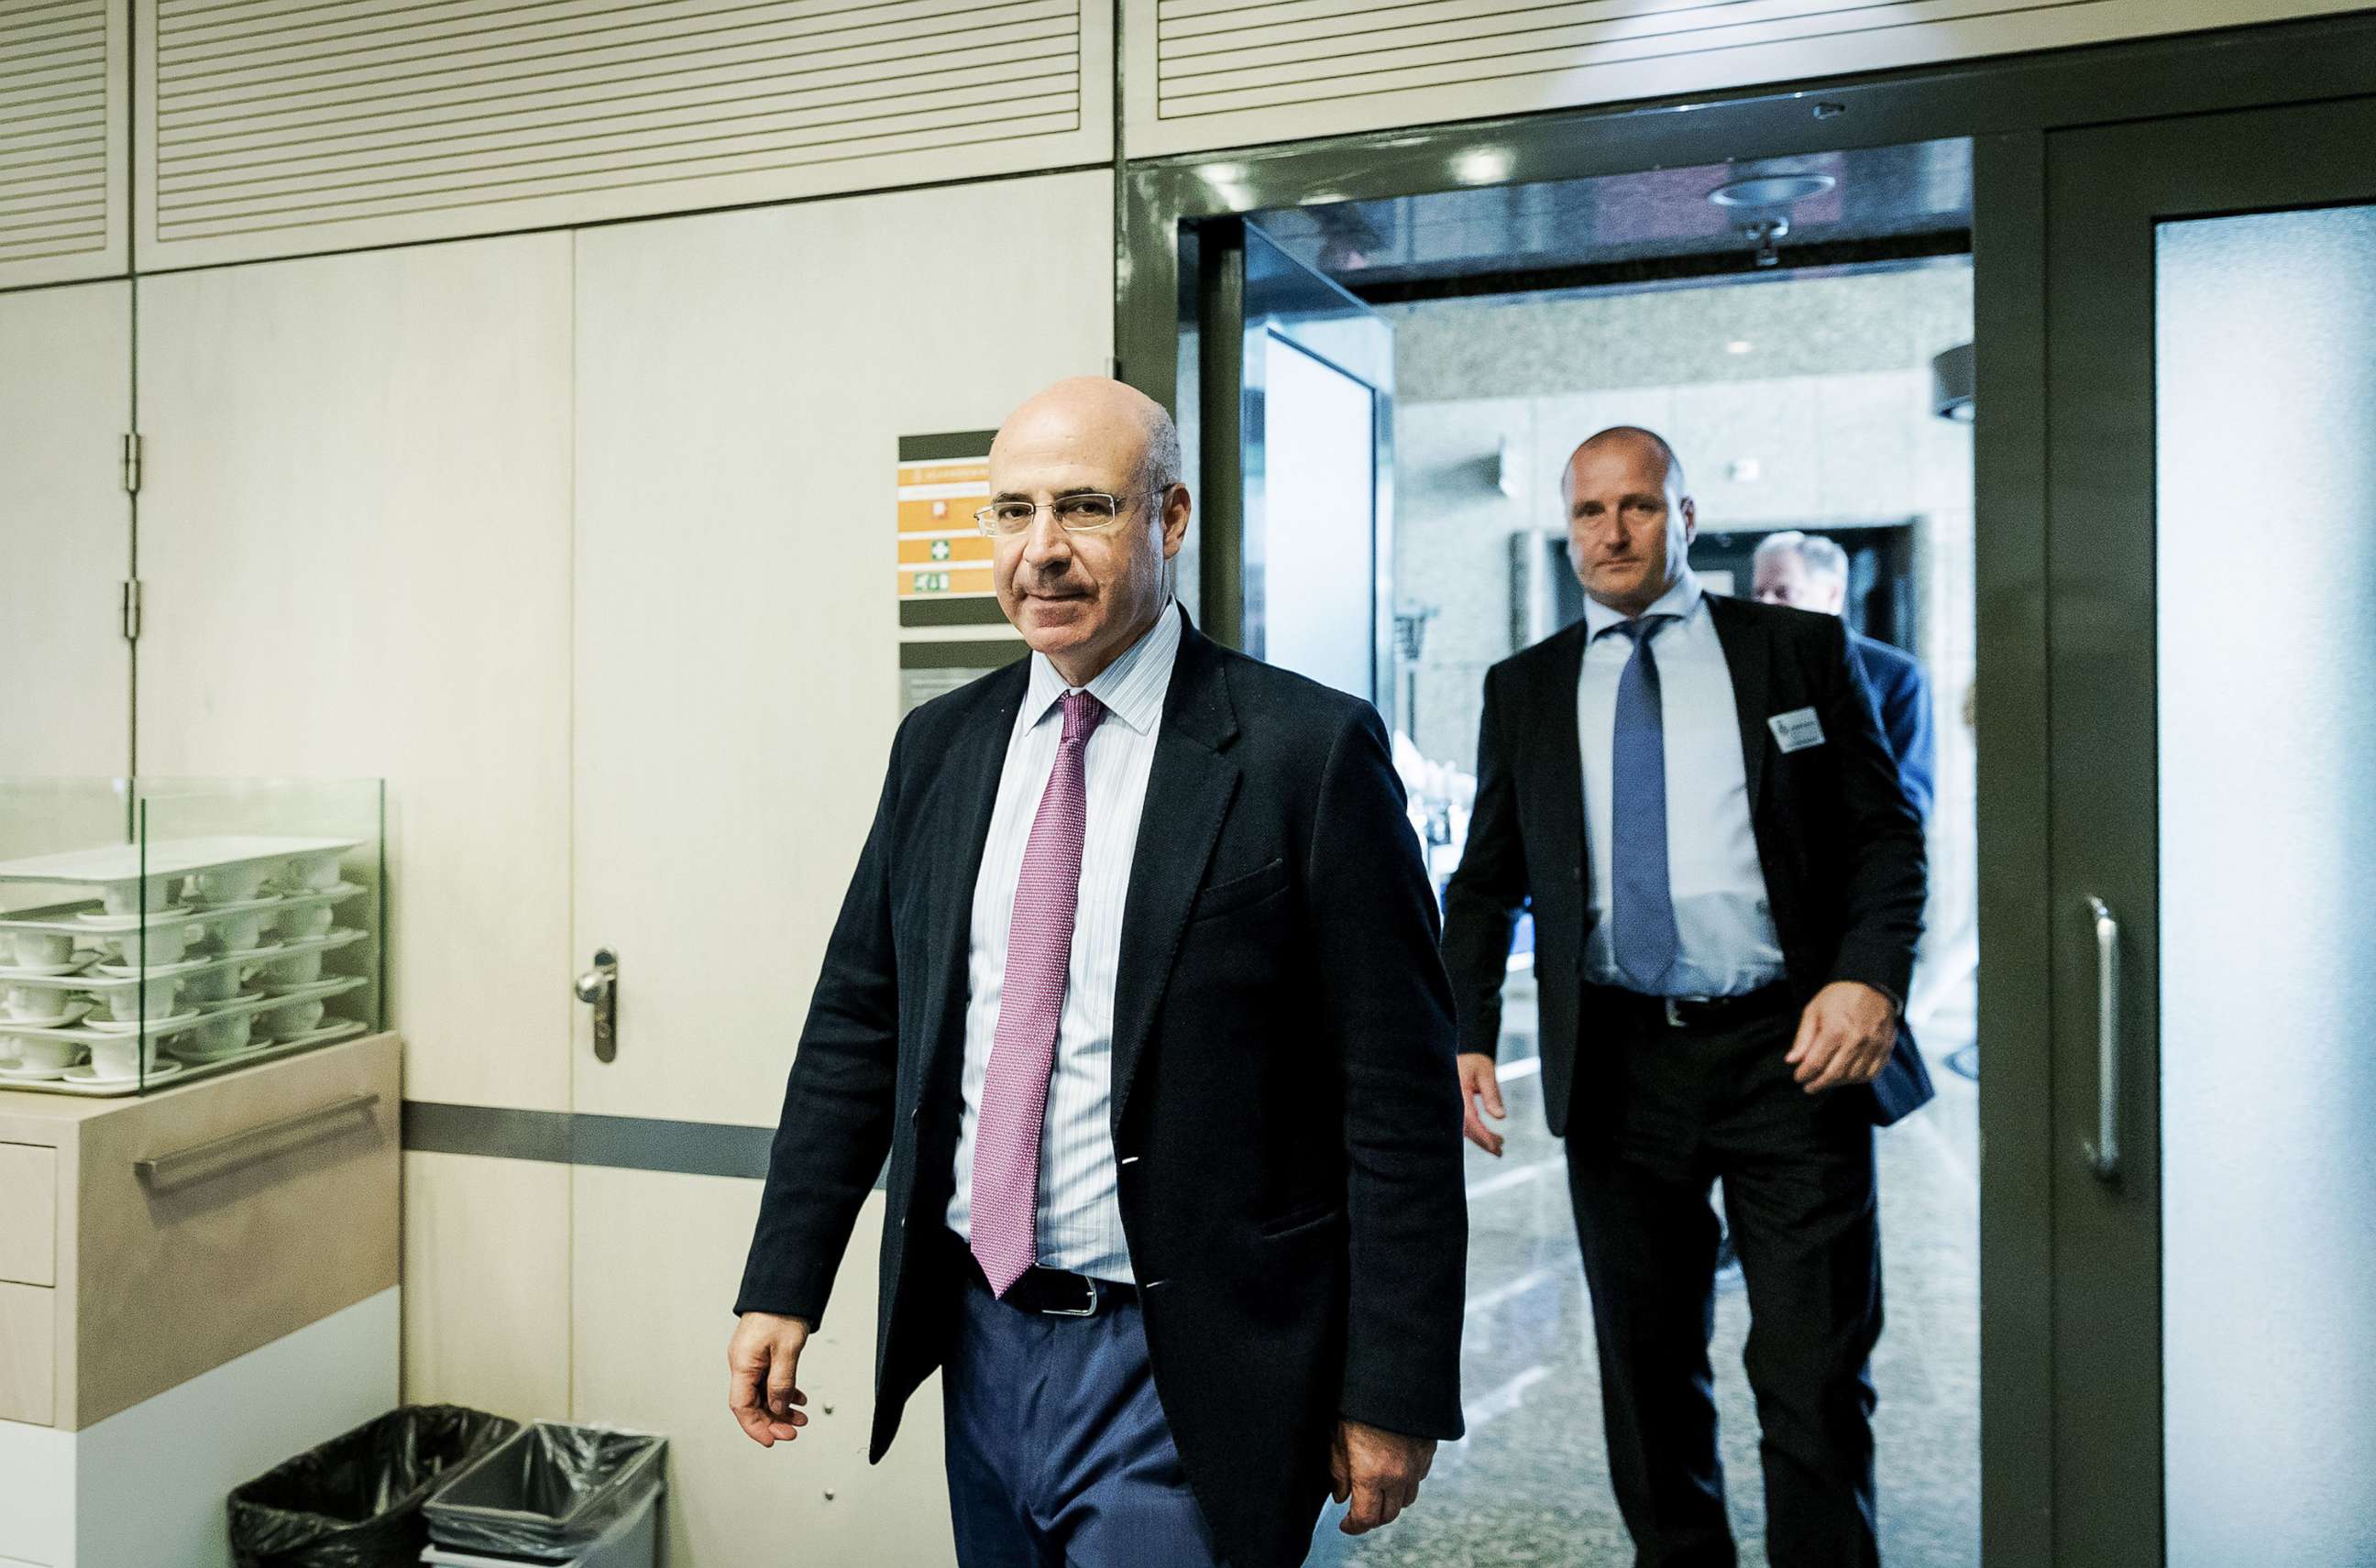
[633, 1542]
[355, 1501]
[550, 1493]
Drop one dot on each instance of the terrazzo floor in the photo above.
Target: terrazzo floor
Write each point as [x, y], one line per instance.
[1530, 1483]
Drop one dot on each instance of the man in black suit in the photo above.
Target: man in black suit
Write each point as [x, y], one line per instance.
[1137, 987]
[1692, 794]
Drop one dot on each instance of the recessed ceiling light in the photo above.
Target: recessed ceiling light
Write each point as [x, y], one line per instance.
[1771, 190]
[1738, 346]
[1222, 173]
[1483, 167]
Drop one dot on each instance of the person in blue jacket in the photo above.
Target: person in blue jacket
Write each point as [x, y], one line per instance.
[1810, 572]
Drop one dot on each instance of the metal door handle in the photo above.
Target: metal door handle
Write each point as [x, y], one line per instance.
[600, 988]
[2104, 1153]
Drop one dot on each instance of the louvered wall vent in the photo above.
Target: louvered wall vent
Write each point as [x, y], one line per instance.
[1205, 74]
[61, 140]
[287, 125]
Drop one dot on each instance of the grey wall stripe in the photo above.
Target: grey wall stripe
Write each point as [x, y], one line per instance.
[947, 447]
[630, 1143]
[988, 654]
[952, 612]
[489, 1130]
[691, 1148]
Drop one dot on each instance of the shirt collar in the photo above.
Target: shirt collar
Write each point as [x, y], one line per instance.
[1132, 687]
[1681, 599]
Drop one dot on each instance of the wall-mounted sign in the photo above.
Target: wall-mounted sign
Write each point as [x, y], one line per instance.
[951, 629]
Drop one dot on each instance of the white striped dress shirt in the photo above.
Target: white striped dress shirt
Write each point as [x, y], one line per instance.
[1080, 1213]
[1723, 918]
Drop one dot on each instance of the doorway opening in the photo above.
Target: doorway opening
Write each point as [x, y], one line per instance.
[1801, 332]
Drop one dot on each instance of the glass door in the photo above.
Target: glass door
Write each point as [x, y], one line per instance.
[1317, 422]
[2212, 626]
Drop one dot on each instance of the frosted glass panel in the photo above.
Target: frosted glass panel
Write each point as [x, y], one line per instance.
[2267, 440]
[1319, 542]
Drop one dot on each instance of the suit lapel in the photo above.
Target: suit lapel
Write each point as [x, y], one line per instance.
[1563, 799]
[965, 792]
[1749, 664]
[1188, 795]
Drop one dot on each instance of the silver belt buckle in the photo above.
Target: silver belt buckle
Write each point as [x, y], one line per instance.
[1674, 1012]
[1089, 1311]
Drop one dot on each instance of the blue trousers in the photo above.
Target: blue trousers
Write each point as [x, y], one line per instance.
[1059, 1454]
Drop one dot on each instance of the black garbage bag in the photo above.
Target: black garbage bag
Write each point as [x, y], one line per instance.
[355, 1501]
[549, 1493]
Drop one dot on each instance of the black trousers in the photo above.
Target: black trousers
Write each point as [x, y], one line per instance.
[1684, 1106]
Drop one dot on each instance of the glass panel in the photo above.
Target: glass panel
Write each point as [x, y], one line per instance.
[1319, 506]
[2266, 442]
[152, 933]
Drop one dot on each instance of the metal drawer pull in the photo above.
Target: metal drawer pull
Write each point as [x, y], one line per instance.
[2104, 1153]
[242, 1148]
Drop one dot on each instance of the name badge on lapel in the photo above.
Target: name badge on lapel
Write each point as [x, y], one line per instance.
[1798, 730]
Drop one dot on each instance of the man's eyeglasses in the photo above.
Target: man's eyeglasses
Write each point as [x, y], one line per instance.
[1086, 512]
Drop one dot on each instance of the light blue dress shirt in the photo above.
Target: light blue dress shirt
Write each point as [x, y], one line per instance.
[1080, 1209]
[1729, 945]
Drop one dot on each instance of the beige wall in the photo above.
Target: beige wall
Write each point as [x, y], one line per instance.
[724, 656]
[355, 535]
[742, 380]
[582, 540]
[65, 530]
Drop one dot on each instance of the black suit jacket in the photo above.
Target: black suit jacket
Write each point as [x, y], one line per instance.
[1840, 845]
[1286, 1110]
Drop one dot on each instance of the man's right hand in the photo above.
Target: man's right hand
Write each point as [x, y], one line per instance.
[1478, 1083]
[761, 1364]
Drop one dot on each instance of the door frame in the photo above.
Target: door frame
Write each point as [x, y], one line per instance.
[1166, 284]
[1269, 271]
[2120, 183]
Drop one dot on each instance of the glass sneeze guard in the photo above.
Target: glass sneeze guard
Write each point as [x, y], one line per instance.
[156, 931]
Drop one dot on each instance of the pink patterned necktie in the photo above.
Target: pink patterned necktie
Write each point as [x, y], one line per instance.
[1030, 1003]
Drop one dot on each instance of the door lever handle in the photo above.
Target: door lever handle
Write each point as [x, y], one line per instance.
[598, 988]
[2104, 1153]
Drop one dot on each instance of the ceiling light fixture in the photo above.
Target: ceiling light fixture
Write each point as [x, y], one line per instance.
[1771, 190]
[1484, 166]
[1952, 389]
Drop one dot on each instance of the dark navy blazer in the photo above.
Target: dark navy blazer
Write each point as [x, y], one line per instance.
[1901, 695]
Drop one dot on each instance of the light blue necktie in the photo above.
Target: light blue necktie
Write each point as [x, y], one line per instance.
[1641, 925]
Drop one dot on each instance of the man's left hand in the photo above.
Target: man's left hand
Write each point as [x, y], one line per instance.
[1379, 1470]
[1845, 1036]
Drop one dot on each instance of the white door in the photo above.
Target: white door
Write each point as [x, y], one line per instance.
[742, 380]
[66, 532]
[356, 542]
